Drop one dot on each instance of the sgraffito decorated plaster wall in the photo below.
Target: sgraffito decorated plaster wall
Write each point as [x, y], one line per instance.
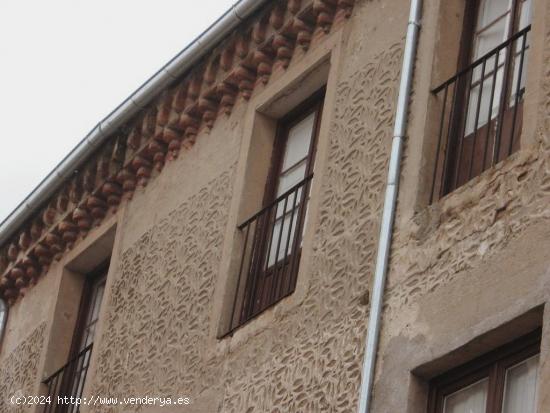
[19, 370]
[310, 360]
[158, 315]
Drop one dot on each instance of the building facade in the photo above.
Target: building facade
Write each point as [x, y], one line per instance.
[219, 246]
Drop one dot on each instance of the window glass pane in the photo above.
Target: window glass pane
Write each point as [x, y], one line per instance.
[288, 224]
[490, 38]
[486, 112]
[3, 316]
[472, 110]
[525, 14]
[97, 302]
[490, 10]
[299, 138]
[304, 226]
[520, 387]
[471, 399]
[516, 63]
[291, 178]
[293, 200]
[88, 336]
[484, 107]
[93, 314]
[524, 21]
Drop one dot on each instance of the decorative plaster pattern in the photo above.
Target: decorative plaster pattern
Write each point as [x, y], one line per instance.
[138, 150]
[309, 359]
[158, 313]
[19, 371]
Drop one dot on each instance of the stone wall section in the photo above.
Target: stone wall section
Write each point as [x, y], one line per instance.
[477, 220]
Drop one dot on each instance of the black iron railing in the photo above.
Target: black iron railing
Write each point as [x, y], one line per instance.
[68, 382]
[480, 116]
[271, 249]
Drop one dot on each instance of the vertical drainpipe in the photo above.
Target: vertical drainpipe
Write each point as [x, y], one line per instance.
[386, 230]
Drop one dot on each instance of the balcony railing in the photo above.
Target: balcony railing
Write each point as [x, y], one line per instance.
[271, 249]
[68, 382]
[480, 115]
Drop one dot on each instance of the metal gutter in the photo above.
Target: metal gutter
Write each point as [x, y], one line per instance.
[386, 230]
[128, 108]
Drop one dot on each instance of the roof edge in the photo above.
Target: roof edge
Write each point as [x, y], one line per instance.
[128, 108]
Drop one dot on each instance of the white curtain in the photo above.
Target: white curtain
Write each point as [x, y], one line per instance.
[521, 386]
[471, 399]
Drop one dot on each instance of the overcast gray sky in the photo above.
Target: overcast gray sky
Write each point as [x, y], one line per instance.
[65, 64]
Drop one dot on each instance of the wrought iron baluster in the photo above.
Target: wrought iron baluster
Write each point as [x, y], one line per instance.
[441, 124]
[518, 89]
[479, 98]
[462, 114]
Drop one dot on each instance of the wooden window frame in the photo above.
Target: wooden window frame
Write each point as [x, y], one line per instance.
[260, 287]
[492, 365]
[69, 380]
[452, 176]
[312, 104]
[96, 277]
[469, 31]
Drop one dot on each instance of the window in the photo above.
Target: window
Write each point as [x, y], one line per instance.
[504, 381]
[70, 379]
[482, 105]
[89, 311]
[3, 317]
[272, 238]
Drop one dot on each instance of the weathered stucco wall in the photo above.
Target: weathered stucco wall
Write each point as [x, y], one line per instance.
[23, 346]
[19, 371]
[459, 269]
[474, 261]
[159, 312]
